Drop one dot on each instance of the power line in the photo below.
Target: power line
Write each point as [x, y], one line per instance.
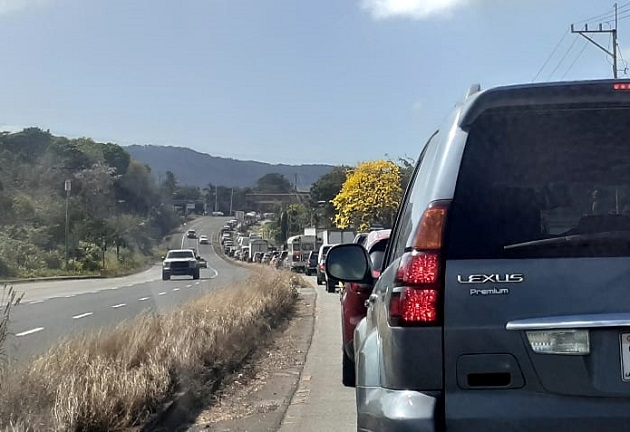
[551, 55]
[625, 63]
[562, 59]
[575, 60]
[603, 16]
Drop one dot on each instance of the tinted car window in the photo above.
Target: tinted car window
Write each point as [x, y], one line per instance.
[559, 189]
[404, 223]
[377, 253]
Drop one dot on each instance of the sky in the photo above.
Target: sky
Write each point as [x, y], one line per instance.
[281, 81]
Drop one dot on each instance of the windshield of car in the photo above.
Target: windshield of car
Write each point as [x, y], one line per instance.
[521, 185]
[180, 254]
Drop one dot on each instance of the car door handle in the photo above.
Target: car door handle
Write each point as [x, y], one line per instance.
[371, 299]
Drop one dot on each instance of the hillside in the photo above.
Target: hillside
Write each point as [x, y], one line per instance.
[199, 169]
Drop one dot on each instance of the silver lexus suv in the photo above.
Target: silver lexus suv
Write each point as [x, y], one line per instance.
[504, 300]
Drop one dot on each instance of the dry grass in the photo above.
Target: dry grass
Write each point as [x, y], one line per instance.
[119, 378]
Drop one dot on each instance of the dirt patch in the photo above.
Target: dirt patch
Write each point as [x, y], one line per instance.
[256, 397]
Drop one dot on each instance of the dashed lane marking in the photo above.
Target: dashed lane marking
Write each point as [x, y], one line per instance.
[162, 293]
[188, 286]
[119, 305]
[83, 315]
[31, 331]
[143, 298]
[175, 289]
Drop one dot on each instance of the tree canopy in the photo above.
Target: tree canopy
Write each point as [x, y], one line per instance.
[370, 195]
[273, 183]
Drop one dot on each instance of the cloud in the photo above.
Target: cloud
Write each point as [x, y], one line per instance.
[11, 128]
[414, 9]
[8, 6]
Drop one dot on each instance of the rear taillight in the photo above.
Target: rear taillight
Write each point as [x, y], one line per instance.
[417, 294]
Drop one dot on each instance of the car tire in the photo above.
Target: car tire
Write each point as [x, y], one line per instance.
[319, 281]
[196, 274]
[166, 276]
[348, 375]
[331, 286]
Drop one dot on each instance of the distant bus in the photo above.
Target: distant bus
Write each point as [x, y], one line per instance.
[299, 247]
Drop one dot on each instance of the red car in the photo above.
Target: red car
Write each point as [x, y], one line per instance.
[353, 298]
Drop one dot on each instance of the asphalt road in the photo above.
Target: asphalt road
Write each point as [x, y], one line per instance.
[321, 403]
[53, 310]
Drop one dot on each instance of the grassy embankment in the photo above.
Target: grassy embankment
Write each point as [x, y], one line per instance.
[120, 378]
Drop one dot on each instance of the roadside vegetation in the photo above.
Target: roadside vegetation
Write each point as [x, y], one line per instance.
[120, 378]
[117, 213]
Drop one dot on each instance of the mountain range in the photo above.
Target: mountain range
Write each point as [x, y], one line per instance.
[199, 169]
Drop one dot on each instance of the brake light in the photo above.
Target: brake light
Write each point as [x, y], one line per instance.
[419, 281]
[418, 268]
[621, 86]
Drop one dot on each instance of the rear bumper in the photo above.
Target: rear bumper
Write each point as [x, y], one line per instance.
[494, 411]
[380, 409]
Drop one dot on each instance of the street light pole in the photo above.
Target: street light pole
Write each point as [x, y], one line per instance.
[67, 187]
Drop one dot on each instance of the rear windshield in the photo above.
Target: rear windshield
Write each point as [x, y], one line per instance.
[543, 184]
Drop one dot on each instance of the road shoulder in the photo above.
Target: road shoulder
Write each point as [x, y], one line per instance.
[257, 397]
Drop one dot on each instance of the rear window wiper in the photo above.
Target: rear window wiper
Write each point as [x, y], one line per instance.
[617, 238]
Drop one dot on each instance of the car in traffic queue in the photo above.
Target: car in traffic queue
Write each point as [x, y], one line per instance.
[203, 239]
[191, 233]
[353, 302]
[321, 263]
[180, 262]
[503, 300]
[311, 263]
[266, 257]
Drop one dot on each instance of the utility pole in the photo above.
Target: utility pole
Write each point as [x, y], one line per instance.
[613, 32]
[67, 187]
[216, 198]
[231, 201]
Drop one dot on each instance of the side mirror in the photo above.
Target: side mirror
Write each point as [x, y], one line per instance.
[349, 262]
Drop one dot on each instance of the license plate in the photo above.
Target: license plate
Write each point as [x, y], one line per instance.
[625, 356]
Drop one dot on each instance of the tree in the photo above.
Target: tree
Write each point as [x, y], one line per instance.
[370, 195]
[406, 171]
[116, 157]
[326, 188]
[273, 183]
[169, 185]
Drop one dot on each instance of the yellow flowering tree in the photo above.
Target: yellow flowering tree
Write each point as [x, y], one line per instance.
[370, 195]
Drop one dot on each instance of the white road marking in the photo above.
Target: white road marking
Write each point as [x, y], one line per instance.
[197, 283]
[111, 288]
[119, 305]
[175, 289]
[188, 286]
[31, 331]
[143, 298]
[162, 293]
[216, 273]
[83, 315]
[71, 295]
[36, 301]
